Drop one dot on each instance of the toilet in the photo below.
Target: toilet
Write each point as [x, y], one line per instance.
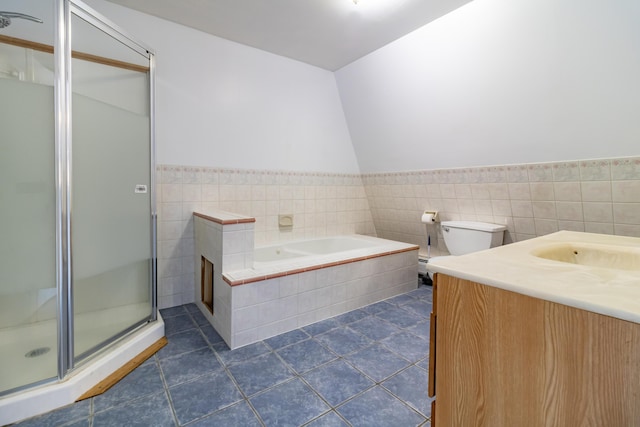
[463, 237]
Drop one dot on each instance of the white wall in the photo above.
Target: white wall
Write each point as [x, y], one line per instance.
[500, 82]
[494, 82]
[223, 104]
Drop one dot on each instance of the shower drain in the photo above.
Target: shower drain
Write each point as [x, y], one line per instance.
[37, 352]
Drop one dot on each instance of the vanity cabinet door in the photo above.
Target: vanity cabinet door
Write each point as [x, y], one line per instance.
[505, 359]
[488, 359]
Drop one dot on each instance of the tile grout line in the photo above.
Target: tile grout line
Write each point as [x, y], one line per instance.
[295, 374]
[225, 368]
[165, 387]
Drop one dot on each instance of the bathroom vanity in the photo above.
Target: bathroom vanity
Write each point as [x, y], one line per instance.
[538, 333]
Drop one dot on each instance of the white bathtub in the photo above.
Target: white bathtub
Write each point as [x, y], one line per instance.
[321, 249]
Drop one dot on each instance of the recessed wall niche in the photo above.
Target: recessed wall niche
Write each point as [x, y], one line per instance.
[206, 283]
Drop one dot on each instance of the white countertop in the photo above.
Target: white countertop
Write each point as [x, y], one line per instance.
[513, 267]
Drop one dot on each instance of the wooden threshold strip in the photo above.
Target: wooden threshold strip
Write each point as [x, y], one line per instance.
[122, 372]
[74, 54]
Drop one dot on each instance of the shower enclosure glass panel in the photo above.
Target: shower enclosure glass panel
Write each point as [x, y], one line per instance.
[77, 216]
[28, 330]
[111, 218]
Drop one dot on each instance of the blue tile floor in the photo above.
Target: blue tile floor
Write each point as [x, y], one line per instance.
[367, 367]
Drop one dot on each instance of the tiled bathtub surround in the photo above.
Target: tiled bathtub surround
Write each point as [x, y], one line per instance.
[599, 196]
[322, 204]
[252, 304]
[269, 307]
[227, 242]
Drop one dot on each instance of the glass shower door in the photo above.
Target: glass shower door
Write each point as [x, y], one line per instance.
[28, 330]
[111, 221]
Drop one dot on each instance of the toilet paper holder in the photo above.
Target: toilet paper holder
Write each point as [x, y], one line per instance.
[429, 217]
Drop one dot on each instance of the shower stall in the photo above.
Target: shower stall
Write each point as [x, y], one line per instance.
[77, 206]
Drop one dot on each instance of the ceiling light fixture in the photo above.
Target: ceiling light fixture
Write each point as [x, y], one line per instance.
[355, 1]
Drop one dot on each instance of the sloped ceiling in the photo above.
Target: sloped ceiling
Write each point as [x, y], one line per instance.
[326, 33]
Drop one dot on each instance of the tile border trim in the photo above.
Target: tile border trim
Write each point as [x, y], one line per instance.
[245, 220]
[262, 277]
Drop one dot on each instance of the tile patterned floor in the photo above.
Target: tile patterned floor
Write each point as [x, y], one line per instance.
[367, 367]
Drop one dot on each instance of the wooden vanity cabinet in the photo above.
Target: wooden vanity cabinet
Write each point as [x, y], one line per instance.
[499, 358]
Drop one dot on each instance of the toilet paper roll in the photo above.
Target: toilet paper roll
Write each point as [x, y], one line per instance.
[427, 218]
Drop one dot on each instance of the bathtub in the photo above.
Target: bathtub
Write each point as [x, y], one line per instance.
[265, 291]
[294, 284]
[308, 251]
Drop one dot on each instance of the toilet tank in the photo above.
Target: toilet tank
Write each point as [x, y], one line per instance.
[463, 237]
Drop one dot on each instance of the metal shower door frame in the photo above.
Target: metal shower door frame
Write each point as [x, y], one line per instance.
[64, 9]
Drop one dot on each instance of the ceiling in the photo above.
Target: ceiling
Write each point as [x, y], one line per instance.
[326, 33]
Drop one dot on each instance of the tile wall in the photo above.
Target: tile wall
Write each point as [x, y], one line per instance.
[323, 204]
[598, 196]
[229, 247]
[271, 307]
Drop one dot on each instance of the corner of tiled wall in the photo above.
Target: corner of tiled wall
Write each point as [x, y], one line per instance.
[178, 195]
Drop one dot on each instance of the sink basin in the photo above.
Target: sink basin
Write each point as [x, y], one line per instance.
[593, 255]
